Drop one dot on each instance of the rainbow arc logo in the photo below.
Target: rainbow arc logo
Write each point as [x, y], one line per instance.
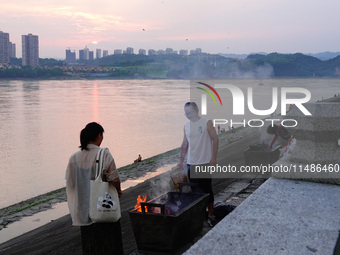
[204, 96]
[209, 93]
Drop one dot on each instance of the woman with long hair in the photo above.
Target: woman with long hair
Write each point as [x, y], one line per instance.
[97, 238]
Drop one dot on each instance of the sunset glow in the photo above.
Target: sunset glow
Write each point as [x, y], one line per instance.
[216, 26]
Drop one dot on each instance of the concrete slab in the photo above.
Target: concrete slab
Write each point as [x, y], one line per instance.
[232, 189]
[280, 217]
[318, 134]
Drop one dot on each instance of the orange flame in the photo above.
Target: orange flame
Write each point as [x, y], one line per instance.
[141, 200]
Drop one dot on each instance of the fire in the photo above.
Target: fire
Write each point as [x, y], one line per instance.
[141, 200]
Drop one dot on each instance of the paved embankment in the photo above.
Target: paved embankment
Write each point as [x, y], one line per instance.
[59, 237]
[281, 217]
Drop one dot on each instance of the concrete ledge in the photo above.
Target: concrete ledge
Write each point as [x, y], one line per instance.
[280, 217]
[317, 135]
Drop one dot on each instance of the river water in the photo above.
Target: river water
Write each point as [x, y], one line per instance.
[40, 122]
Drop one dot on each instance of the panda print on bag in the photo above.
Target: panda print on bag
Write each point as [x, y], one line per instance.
[107, 201]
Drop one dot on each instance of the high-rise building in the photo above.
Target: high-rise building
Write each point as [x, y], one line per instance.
[81, 55]
[183, 52]
[30, 50]
[98, 53]
[12, 50]
[86, 53]
[117, 52]
[4, 48]
[160, 52]
[91, 55]
[151, 52]
[129, 50]
[142, 52]
[105, 53]
[196, 52]
[169, 51]
[192, 52]
[70, 57]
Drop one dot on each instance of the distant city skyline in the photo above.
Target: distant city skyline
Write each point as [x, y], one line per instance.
[215, 26]
[84, 53]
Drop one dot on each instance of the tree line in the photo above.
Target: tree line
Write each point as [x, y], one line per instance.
[186, 67]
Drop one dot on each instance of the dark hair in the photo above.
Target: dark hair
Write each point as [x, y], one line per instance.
[89, 134]
[193, 104]
[272, 129]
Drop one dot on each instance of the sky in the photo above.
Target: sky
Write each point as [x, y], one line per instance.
[215, 26]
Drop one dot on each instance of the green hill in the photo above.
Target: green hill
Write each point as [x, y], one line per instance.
[297, 65]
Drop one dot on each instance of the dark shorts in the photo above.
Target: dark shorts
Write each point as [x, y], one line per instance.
[102, 238]
[203, 185]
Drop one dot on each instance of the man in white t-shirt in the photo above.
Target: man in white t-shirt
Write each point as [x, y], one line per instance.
[200, 144]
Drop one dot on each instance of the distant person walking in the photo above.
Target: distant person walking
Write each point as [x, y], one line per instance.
[200, 144]
[97, 238]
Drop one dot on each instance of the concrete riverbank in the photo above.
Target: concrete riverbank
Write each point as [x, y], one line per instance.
[296, 212]
[59, 237]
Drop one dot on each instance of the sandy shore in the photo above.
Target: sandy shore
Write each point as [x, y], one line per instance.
[127, 173]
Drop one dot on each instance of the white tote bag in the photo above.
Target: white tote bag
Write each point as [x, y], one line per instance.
[104, 200]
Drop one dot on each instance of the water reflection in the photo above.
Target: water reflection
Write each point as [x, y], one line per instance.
[31, 92]
[41, 121]
[95, 103]
[29, 133]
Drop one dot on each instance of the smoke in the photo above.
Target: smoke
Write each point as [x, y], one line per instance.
[265, 138]
[160, 185]
[206, 67]
[264, 71]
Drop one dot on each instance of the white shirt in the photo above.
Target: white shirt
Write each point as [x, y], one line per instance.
[80, 170]
[200, 143]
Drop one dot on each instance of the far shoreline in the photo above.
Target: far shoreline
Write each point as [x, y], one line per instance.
[159, 78]
[88, 78]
